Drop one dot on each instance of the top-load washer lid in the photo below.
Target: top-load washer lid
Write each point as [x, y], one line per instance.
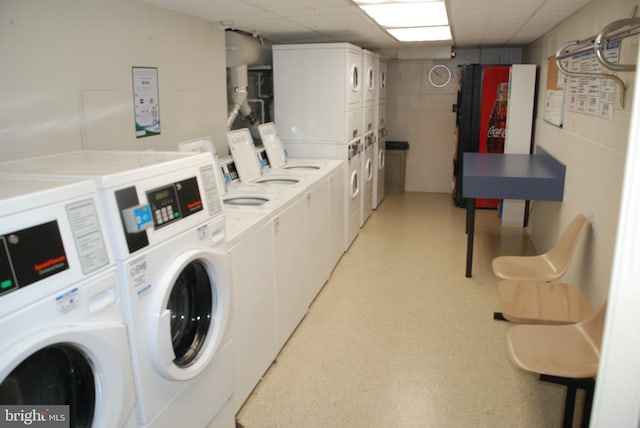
[238, 197]
[247, 163]
[275, 150]
[272, 145]
[244, 154]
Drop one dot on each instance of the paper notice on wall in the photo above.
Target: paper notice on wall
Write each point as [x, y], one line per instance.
[592, 96]
[146, 102]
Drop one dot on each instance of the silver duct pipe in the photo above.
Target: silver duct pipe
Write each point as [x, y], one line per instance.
[241, 51]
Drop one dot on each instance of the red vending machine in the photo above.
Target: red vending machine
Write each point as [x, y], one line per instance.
[493, 116]
[481, 119]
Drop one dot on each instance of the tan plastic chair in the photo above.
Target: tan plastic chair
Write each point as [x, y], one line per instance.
[537, 302]
[544, 267]
[564, 354]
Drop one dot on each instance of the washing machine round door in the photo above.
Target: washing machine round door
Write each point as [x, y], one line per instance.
[355, 78]
[59, 374]
[369, 170]
[354, 185]
[86, 367]
[381, 159]
[191, 315]
[191, 304]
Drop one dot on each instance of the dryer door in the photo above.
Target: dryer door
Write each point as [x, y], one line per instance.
[191, 315]
[368, 170]
[354, 185]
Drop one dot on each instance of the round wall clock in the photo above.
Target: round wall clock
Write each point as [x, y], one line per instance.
[439, 75]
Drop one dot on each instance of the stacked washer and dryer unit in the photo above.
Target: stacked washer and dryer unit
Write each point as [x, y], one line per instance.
[368, 171]
[318, 110]
[381, 131]
[64, 341]
[166, 225]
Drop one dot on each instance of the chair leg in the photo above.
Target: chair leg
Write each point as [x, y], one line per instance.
[589, 387]
[570, 399]
[569, 406]
[498, 316]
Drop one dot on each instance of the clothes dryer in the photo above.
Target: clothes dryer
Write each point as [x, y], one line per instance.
[166, 223]
[64, 341]
[367, 169]
[379, 168]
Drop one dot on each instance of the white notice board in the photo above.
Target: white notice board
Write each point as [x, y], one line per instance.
[592, 96]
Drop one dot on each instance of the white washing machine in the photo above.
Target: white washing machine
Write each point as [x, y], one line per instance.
[324, 220]
[367, 173]
[334, 169]
[166, 223]
[292, 274]
[350, 154]
[250, 243]
[64, 341]
[379, 167]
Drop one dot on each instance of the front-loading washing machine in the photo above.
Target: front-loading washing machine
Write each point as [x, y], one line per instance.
[64, 352]
[166, 223]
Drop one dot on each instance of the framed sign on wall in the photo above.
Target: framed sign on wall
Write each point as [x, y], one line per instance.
[146, 101]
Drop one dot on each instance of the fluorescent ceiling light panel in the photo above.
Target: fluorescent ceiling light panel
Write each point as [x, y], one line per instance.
[421, 34]
[396, 15]
[361, 2]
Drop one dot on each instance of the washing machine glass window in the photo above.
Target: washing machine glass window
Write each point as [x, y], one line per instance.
[56, 375]
[355, 79]
[191, 303]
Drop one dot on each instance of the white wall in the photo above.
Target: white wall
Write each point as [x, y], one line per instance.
[66, 78]
[422, 114]
[594, 151]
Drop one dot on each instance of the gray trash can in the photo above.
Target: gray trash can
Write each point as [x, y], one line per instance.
[395, 165]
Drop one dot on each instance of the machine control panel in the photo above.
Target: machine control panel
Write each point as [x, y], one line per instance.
[30, 255]
[174, 201]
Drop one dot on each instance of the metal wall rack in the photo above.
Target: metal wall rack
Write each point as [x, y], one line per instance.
[615, 31]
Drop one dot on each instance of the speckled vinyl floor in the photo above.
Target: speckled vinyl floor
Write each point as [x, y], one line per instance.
[399, 337]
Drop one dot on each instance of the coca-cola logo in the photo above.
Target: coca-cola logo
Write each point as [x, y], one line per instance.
[496, 132]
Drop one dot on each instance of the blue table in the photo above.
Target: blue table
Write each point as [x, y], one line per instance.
[508, 176]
